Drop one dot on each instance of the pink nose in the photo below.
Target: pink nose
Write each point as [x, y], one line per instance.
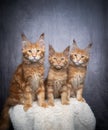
[34, 56]
[58, 62]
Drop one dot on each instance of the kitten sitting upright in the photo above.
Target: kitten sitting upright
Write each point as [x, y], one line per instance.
[57, 75]
[77, 69]
[28, 80]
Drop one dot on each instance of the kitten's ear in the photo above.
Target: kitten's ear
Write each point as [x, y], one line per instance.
[74, 46]
[24, 38]
[25, 41]
[88, 48]
[51, 50]
[42, 36]
[41, 40]
[66, 51]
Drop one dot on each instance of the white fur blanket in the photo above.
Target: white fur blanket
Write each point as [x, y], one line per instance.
[76, 116]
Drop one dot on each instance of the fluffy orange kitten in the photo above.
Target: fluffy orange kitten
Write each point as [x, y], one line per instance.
[27, 83]
[77, 69]
[57, 76]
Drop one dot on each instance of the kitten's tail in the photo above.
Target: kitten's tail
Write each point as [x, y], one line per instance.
[45, 85]
[5, 119]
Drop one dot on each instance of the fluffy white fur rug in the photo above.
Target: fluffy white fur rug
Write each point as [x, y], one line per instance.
[76, 116]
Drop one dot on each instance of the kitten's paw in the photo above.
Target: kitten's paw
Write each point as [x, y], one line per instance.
[81, 99]
[65, 103]
[50, 103]
[44, 104]
[68, 99]
[26, 107]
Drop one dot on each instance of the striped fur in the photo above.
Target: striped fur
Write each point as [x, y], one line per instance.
[77, 69]
[27, 83]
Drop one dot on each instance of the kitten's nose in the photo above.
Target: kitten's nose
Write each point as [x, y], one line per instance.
[58, 62]
[78, 59]
[34, 56]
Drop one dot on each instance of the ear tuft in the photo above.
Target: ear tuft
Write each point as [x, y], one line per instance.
[74, 41]
[74, 46]
[42, 35]
[90, 45]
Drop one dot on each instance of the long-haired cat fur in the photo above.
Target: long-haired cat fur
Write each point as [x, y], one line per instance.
[77, 69]
[27, 83]
[56, 82]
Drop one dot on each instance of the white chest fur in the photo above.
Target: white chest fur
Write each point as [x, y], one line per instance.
[35, 81]
[77, 80]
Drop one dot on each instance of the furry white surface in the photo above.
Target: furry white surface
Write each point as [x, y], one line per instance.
[76, 116]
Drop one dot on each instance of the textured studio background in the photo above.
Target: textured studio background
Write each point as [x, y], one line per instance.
[61, 21]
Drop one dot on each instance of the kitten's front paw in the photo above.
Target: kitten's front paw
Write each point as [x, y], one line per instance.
[68, 99]
[51, 103]
[65, 102]
[81, 99]
[26, 107]
[44, 104]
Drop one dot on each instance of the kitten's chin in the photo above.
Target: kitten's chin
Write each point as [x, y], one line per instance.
[34, 60]
[58, 67]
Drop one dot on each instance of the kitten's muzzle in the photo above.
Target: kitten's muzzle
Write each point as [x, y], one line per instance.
[58, 67]
[77, 63]
[34, 59]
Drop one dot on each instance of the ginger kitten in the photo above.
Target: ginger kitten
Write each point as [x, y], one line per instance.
[27, 83]
[57, 76]
[77, 69]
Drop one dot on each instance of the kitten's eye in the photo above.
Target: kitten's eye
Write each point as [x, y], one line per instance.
[38, 50]
[29, 51]
[75, 55]
[54, 58]
[62, 58]
[82, 56]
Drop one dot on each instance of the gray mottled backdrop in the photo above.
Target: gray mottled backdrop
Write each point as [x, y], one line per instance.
[61, 21]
